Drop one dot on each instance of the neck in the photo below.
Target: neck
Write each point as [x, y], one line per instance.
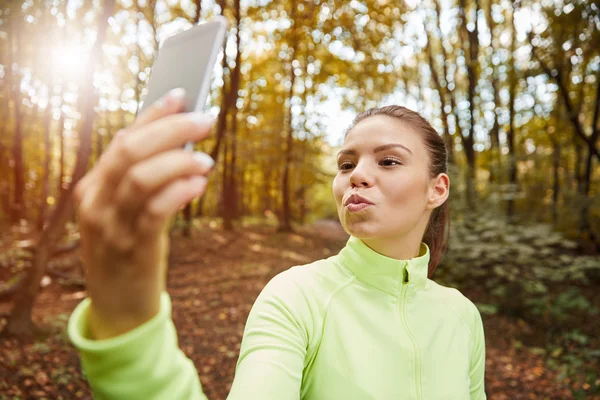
[400, 247]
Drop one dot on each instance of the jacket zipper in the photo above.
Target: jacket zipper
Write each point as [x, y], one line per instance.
[411, 336]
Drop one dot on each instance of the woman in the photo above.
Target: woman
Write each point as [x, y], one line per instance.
[367, 323]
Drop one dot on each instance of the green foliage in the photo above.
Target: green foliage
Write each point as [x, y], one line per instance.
[41, 348]
[530, 254]
[531, 272]
[62, 375]
[16, 259]
[561, 307]
[489, 309]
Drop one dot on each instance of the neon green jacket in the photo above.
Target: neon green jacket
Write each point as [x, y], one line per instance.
[357, 325]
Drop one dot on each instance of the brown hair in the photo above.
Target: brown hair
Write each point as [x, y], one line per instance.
[437, 233]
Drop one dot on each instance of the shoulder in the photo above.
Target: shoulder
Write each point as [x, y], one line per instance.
[313, 279]
[460, 304]
[297, 295]
[304, 286]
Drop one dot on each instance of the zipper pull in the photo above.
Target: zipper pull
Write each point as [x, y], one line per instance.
[405, 275]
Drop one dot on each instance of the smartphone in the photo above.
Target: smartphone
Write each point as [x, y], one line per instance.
[187, 60]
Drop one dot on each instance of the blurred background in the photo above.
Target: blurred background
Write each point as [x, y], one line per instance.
[513, 87]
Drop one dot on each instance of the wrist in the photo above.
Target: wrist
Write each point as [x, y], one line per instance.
[107, 319]
[102, 326]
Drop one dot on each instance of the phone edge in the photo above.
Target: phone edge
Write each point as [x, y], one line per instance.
[205, 86]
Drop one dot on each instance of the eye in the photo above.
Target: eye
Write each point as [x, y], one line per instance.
[388, 162]
[346, 165]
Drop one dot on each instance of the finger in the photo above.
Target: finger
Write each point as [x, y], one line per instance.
[89, 178]
[168, 133]
[162, 206]
[90, 215]
[149, 176]
[78, 191]
[171, 103]
[84, 188]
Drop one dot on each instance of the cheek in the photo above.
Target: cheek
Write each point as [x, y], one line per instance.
[338, 188]
[405, 191]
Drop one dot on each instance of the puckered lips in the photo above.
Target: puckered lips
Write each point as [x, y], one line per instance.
[356, 203]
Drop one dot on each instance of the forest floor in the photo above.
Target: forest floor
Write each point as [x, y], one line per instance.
[213, 281]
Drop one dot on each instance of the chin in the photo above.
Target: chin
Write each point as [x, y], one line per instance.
[369, 229]
[361, 229]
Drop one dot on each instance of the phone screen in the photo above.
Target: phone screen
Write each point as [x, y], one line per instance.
[187, 60]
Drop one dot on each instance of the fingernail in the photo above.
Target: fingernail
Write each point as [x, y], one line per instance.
[204, 159]
[202, 119]
[173, 94]
[177, 93]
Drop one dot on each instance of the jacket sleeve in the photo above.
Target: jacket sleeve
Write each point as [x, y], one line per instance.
[477, 364]
[146, 362]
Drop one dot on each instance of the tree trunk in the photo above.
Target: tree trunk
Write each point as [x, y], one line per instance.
[229, 181]
[267, 192]
[187, 217]
[577, 167]
[585, 226]
[441, 89]
[243, 195]
[470, 43]
[472, 73]
[303, 211]
[187, 211]
[448, 92]
[285, 224]
[556, 179]
[47, 123]
[584, 221]
[220, 129]
[47, 126]
[223, 111]
[573, 114]
[18, 205]
[233, 195]
[510, 135]
[224, 204]
[4, 170]
[19, 322]
[495, 130]
[61, 137]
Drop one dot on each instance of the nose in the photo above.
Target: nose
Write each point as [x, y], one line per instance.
[360, 177]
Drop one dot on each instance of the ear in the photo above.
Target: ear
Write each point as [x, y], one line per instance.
[439, 190]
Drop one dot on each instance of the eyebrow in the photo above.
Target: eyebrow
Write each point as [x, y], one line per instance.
[378, 149]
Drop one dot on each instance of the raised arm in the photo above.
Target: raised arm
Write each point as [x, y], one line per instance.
[124, 206]
[124, 331]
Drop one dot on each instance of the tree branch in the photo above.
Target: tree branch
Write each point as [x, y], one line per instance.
[573, 115]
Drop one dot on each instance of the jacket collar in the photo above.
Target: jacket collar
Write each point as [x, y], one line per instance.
[383, 272]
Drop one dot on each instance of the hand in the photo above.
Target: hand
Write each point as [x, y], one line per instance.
[124, 206]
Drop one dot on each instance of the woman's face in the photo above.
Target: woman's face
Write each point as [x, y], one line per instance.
[384, 161]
